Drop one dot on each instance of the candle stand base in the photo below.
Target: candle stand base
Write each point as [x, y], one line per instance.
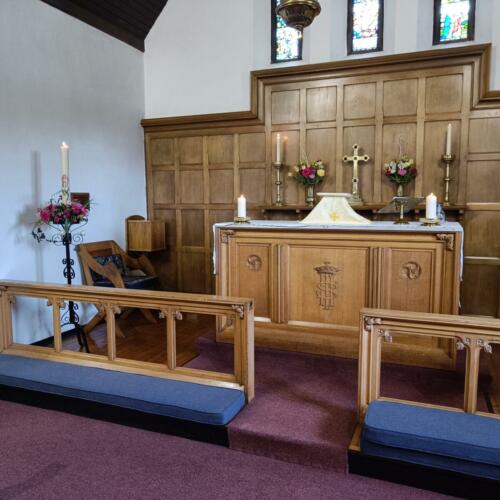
[430, 222]
[242, 220]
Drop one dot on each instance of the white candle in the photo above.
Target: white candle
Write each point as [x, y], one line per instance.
[242, 207]
[448, 140]
[430, 206]
[278, 148]
[65, 172]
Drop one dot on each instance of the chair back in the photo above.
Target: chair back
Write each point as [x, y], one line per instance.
[95, 260]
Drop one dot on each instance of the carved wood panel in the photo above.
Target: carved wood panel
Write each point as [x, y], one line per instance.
[204, 163]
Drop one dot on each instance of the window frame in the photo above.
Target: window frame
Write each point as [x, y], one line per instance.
[274, 44]
[437, 25]
[350, 26]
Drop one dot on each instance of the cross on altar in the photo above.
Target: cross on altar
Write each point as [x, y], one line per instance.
[355, 159]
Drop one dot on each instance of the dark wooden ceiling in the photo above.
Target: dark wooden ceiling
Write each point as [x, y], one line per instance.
[127, 20]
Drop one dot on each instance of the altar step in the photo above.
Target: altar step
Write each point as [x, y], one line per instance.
[305, 406]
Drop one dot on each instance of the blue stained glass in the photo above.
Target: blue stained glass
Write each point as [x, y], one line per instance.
[365, 25]
[454, 20]
[287, 46]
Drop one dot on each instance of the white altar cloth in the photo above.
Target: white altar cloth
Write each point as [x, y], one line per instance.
[384, 226]
[374, 226]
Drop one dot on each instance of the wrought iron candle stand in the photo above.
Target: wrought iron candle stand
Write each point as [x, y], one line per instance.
[278, 165]
[70, 316]
[448, 160]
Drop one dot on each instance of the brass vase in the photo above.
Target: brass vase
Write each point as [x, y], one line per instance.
[400, 191]
[310, 195]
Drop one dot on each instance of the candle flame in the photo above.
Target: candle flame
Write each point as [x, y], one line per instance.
[64, 145]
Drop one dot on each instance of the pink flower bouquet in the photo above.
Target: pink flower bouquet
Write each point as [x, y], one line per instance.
[401, 170]
[308, 173]
[59, 213]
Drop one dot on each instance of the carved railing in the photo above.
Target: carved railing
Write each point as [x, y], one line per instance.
[111, 300]
[472, 334]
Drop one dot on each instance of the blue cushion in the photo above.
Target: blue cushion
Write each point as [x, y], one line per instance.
[132, 282]
[434, 437]
[172, 398]
[116, 259]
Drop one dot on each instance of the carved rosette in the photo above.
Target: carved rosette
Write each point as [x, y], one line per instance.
[411, 270]
[254, 263]
[326, 288]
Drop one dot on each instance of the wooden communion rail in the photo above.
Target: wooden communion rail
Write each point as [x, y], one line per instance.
[474, 334]
[111, 300]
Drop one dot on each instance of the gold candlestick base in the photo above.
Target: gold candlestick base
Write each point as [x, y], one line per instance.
[430, 222]
[242, 220]
[448, 160]
[278, 183]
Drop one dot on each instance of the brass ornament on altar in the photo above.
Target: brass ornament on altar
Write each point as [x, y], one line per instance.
[448, 160]
[298, 14]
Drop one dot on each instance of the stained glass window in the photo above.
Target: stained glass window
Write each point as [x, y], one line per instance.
[286, 43]
[454, 20]
[366, 26]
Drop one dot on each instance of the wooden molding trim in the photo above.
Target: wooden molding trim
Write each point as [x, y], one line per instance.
[476, 53]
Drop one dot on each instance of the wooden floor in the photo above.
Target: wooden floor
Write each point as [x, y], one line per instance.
[145, 341]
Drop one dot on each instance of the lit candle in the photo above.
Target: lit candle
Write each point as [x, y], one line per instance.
[430, 206]
[448, 140]
[278, 148]
[65, 172]
[242, 207]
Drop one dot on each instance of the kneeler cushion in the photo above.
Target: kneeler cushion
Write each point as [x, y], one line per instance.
[452, 440]
[172, 398]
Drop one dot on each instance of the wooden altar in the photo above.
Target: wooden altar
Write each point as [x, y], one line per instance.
[310, 282]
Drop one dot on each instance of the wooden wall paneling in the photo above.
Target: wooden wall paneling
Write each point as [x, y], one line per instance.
[483, 238]
[285, 107]
[321, 104]
[478, 278]
[321, 145]
[359, 100]
[394, 136]
[400, 97]
[433, 166]
[293, 192]
[203, 163]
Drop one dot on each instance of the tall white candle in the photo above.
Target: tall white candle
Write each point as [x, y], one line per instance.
[242, 206]
[65, 172]
[278, 148]
[448, 140]
[430, 206]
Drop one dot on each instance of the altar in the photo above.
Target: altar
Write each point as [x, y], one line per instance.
[309, 282]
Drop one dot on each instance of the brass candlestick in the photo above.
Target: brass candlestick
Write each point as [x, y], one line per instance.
[448, 160]
[401, 202]
[278, 165]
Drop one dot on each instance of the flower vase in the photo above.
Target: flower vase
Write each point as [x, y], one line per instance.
[400, 191]
[310, 195]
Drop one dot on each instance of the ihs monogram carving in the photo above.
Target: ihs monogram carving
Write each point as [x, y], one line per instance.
[325, 290]
[254, 262]
[411, 270]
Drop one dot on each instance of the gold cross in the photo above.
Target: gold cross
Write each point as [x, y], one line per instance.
[355, 159]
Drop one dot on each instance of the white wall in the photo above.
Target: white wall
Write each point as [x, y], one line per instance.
[199, 53]
[61, 79]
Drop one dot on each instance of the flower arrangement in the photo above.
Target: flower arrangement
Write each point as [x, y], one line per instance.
[60, 213]
[308, 173]
[401, 170]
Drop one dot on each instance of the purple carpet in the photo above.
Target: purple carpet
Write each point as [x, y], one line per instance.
[305, 406]
[51, 455]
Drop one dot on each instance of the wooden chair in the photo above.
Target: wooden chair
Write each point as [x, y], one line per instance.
[106, 264]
